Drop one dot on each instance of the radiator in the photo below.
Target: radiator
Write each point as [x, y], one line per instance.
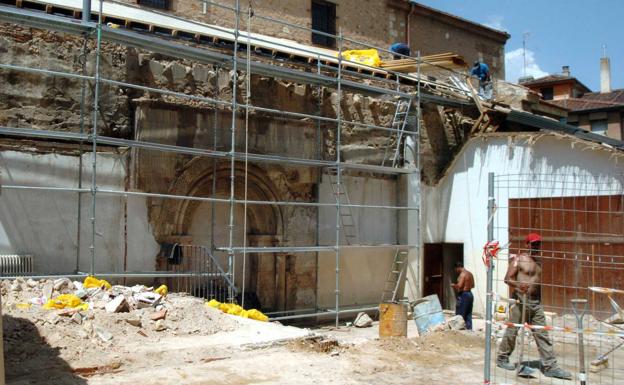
[12, 265]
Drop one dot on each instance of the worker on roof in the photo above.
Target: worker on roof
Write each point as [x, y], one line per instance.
[524, 278]
[400, 49]
[482, 72]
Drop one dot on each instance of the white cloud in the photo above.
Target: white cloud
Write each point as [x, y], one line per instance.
[495, 21]
[514, 65]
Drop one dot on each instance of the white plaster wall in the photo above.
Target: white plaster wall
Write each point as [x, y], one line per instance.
[455, 210]
[376, 226]
[44, 223]
[142, 247]
[363, 273]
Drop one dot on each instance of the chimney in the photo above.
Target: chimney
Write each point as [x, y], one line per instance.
[605, 75]
[565, 70]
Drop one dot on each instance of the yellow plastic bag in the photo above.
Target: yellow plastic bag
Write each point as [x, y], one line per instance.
[255, 314]
[64, 301]
[369, 57]
[162, 290]
[235, 309]
[213, 303]
[91, 282]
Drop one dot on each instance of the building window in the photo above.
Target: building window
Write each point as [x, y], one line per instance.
[599, 126]
[324, 20]
[161, 4]
[547, 93]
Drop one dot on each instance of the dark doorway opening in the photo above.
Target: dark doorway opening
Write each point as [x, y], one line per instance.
[439, 262]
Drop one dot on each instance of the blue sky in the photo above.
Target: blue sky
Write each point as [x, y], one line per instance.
[561, 32]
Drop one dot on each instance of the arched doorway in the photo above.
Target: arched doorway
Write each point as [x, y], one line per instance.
[207, 223]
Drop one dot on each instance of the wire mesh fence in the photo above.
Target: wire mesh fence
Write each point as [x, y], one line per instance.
[557, 279]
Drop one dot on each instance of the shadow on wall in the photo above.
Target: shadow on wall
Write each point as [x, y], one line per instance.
[28, 358]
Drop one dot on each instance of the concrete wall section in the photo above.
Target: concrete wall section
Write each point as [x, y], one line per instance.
[375, 226]
[455, 210]
[44, 223]
[362, 276]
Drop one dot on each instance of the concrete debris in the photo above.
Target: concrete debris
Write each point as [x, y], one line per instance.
[160, 326]
[103, 334]
[31, 283]
[16, 286]
[77, 318]
[159, 315]
[363, 321]
[147, 299]
[117, 305]
[456, 323]
[134, 321]
[63, 283]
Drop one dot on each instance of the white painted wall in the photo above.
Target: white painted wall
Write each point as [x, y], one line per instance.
[455, 210]
[363, 271]
[44, 223]
[376, 226]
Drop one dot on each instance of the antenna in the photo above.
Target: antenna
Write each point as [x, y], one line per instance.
[604, 50]
[525, 35]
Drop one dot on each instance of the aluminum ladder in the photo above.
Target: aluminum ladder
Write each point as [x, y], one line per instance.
[399, 122]
[347, 220]
[393, 280]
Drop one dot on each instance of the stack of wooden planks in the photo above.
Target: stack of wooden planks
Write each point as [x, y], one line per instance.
[448, 60]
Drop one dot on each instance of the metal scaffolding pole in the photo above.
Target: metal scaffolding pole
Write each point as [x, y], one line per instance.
[86, 11]
[96, 100]
[490, 276]
[338, 175]
[230, 268]
[83, 95]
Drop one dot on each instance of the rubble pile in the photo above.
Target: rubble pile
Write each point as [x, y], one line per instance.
[83, 320]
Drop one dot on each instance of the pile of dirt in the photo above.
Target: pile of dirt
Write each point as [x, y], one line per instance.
[33, 334]
[316, 344]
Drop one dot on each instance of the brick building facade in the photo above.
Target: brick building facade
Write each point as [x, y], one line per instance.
[376, 23]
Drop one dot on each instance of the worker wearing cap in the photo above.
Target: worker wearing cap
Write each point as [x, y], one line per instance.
[524, 274]
[482, 72]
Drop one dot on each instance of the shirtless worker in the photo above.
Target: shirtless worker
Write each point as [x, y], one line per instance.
[465, 283]
[524, 275]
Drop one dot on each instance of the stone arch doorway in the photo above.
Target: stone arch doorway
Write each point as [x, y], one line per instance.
[192, 222]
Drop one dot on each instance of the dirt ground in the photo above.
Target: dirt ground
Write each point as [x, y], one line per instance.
[196, 344]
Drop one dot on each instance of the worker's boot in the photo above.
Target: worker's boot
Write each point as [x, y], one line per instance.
[503, 362]
[558, 373]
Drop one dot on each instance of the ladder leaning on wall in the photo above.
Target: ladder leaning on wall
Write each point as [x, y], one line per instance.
[347, 220]
[393, 280]
[399, 123]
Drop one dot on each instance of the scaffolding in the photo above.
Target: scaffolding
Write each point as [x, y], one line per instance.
[331, 73]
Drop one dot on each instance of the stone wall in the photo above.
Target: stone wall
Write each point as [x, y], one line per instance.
[52, 102]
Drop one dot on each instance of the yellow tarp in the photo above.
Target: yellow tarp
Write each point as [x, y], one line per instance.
[91, 282]
[162, 290]
[234, 309]
[369, 57]
[65, 301]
